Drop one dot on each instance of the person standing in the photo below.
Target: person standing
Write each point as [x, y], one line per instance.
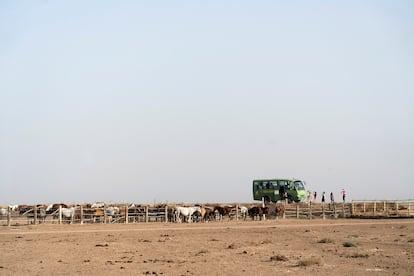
[332, 201]
[309, 197]
[282, 193]
[314, 196]
[343, 192]
[323, 197]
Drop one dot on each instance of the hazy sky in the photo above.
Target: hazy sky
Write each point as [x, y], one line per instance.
[189, 101]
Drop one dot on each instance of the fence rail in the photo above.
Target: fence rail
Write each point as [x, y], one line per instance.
[125, 213]
[383, 208]
[318, 210]
[131, 213]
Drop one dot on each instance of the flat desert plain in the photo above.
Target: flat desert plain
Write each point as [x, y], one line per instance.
[272, 247]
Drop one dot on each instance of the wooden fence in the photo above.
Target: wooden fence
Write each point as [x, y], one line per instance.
[124, 214]
[131, 213]
[383, 208]
[318, 210]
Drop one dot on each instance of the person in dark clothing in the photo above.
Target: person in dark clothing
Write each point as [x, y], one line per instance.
[343, 192]
[282, 192]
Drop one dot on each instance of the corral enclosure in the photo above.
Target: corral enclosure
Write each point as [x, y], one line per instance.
[138, 213]
[141, 240]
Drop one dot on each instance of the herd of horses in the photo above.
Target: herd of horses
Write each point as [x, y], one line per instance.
[99, 212]
[218, 213]
[67, 212]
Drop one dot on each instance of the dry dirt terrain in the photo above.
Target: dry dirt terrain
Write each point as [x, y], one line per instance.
[273, 247]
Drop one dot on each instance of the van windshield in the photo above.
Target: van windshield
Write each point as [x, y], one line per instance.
[299, 185]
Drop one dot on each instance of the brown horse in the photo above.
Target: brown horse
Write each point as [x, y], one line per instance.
[258, 211]
[220, 212]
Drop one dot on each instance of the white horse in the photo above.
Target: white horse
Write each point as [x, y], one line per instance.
[98, 205]
[112, 212]
[3, 212]
[185, 212]
[243, 212]
[68, 213]
[49, 207]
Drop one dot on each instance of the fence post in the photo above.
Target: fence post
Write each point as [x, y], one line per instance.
[297, 211]
[323, 210]
[166, 213]
[310, 210]
[385, 208]
[375, 207]
[353, 208]
[343, 209]
[364, 207]
[35, 214]
[60, 214]
[396, 207]
[237, 211]
[9, 216]
[81, 214]
[104, 213]
[334, 208]
[126, 214]
[146, 213]
[409, 209]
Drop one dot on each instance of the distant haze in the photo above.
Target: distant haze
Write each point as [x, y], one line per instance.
[188, 101]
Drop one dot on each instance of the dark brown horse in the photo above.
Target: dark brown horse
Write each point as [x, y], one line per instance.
[259, 212]
[221, 212]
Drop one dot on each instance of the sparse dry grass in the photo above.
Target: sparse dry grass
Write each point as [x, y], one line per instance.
[325, 240]
[232, 246]
[309, 262]
[201, 252]
[279, 258]
[348, 244]
[358, 255]
[266, 241]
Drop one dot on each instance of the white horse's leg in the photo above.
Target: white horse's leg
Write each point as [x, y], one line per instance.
[177, 216]
[72, 215]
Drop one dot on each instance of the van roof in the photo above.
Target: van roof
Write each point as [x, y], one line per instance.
[275, 179]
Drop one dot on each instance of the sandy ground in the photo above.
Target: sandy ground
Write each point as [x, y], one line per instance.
[283, 247]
